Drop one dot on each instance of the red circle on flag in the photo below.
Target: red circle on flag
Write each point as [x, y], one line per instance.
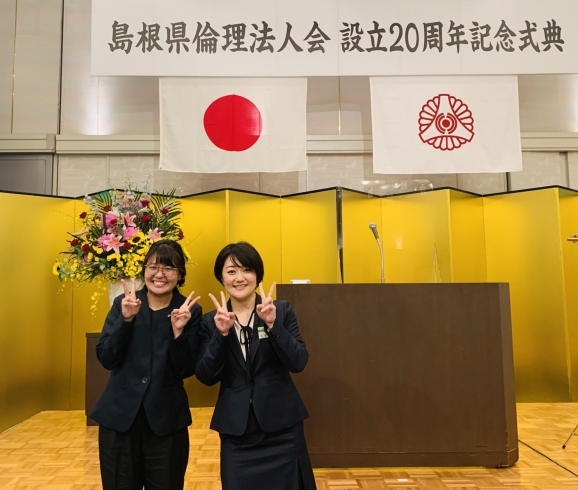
[233, 123]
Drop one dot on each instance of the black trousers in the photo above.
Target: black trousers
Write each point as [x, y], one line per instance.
[139, 458]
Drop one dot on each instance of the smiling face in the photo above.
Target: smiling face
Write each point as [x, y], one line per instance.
[239, 281]
[160, 279]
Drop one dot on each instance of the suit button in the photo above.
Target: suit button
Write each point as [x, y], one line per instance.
[144, 380]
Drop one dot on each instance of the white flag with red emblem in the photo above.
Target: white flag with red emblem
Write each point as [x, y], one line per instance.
[428, 125]
[233, 124]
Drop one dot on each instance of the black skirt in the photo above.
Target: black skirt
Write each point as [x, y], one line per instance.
[256, 459]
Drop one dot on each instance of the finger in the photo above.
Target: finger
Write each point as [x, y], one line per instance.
[193, 303]
[214, 300]
[261, 290]
[125, 287]
[272, 289]
[224, 299]
[133, 286]
[186, 303]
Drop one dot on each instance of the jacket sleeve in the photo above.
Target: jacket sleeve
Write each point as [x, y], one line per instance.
[287, 342]
[115, 338]
[184, 351]
[211, 353]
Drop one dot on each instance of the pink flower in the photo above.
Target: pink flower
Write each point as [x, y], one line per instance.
[101, 240]
[113, 242]
[111, 219]
[129, 232]
[154, 235]
[128, 219]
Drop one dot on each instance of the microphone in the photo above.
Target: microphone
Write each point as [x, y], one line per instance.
[373, 229]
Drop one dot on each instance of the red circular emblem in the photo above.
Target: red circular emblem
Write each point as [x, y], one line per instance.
[446, 123]
[233, 123]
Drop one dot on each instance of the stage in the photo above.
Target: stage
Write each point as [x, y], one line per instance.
[57, 451]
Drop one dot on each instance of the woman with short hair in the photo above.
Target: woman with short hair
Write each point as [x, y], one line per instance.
[251, 344]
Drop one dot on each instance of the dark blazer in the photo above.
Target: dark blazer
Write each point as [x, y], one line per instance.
[276, 402]
[147, 367]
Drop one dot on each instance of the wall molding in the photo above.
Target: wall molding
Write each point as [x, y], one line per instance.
[150, 144]
[549, 141]
[108, 145]
[27, 143]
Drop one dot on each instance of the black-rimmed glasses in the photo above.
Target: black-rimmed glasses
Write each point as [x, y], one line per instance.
[166, 271]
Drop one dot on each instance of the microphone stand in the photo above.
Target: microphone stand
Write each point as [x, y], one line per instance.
[381, 256]
[564, 445]
[373, 229]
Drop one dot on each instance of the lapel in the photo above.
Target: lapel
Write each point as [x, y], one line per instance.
[257, 322]
[255, 341]
[234, 342]
[144, 312]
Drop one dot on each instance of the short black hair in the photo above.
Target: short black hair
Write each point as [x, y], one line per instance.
[242, 254]
[170, 253]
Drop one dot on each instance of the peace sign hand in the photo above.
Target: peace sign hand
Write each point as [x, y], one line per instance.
[224, 319]
[267, 310]
[130, 304]
[180, 316]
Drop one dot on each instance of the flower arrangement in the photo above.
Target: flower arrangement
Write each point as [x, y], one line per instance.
[116, 233]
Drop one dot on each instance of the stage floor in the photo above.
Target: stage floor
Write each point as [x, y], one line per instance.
[56, 451]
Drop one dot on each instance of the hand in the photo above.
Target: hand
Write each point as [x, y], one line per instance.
[267, 310]
[224, 319]
[180, 316]
[130, 304]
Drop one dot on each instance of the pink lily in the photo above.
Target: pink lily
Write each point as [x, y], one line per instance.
[101, 240]
[154, 235]
[128, 219]
[113, 242]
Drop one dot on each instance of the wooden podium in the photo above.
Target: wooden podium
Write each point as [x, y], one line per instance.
[96, 377]
[407, 374]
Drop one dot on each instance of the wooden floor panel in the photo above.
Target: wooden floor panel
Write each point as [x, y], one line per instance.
[56, 451]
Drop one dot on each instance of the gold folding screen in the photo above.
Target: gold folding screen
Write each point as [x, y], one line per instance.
[523, 241]
[439, 236]
[35, 317]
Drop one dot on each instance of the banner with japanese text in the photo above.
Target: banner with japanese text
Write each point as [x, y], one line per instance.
[281, 38]
[439, 124]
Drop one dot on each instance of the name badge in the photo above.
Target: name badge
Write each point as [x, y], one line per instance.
[262, 333]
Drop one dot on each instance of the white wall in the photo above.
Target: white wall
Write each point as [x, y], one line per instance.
[45, 58]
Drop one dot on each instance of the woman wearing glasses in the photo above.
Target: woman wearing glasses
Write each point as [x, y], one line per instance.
[251, 344]
[149, 343]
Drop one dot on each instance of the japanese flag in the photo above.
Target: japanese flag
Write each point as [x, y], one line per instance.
[425, 125]
[233, 124]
